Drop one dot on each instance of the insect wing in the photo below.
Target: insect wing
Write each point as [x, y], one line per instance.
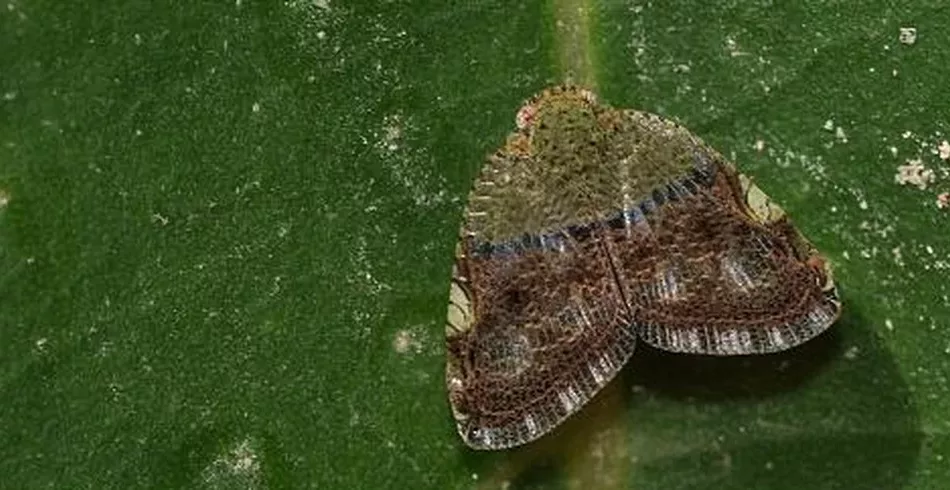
[701, 271]
[536, 324]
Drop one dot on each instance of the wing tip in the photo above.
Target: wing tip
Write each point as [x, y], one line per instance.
[737, 341]
[556, 406]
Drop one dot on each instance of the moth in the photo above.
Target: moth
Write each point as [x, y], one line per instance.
[594, 228]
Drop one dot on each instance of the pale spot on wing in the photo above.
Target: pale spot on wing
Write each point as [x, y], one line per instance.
[775, 337]
[598, 375]
[669, 284]
[506, 351]
[745, 340]
[572, 320]
[585, 320]
[456, 320]
[570, 398]
[694, 342]
[726, 339]
[734, 341]
[625, 188]
[532, 426]
[795, 337]
[459, 318]
[486, 436]
[738, 273]
[606, 363]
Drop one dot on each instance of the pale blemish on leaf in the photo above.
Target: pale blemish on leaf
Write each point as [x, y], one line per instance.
[237, 467]
[852, 353]
[943, 150]
[908, 35]
[406, 162]
[41, 345]
[405, 342]
[309, 5]
[914, 173]
[943, 200]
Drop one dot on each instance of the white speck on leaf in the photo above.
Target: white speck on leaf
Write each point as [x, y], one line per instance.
[392, 132]
[158, 218]
[733, 48]
[405, 341]
[840, 134]
[308, 4]
[914, 173]
[407, 162]
[256, 107]
[908, 35]
[898, 257]
[943, 150]
[238, 467]
[852, 353]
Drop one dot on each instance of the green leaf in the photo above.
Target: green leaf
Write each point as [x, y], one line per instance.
[226, 232]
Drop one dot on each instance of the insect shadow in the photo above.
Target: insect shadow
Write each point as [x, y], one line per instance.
[832, 413]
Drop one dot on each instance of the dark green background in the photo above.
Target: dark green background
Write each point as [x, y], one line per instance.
[227, 238]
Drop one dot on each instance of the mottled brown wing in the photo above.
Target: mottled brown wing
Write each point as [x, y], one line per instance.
[537, 324]
[700, 270]
[536, 328]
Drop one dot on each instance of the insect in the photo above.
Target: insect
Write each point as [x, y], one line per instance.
[593, 228]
